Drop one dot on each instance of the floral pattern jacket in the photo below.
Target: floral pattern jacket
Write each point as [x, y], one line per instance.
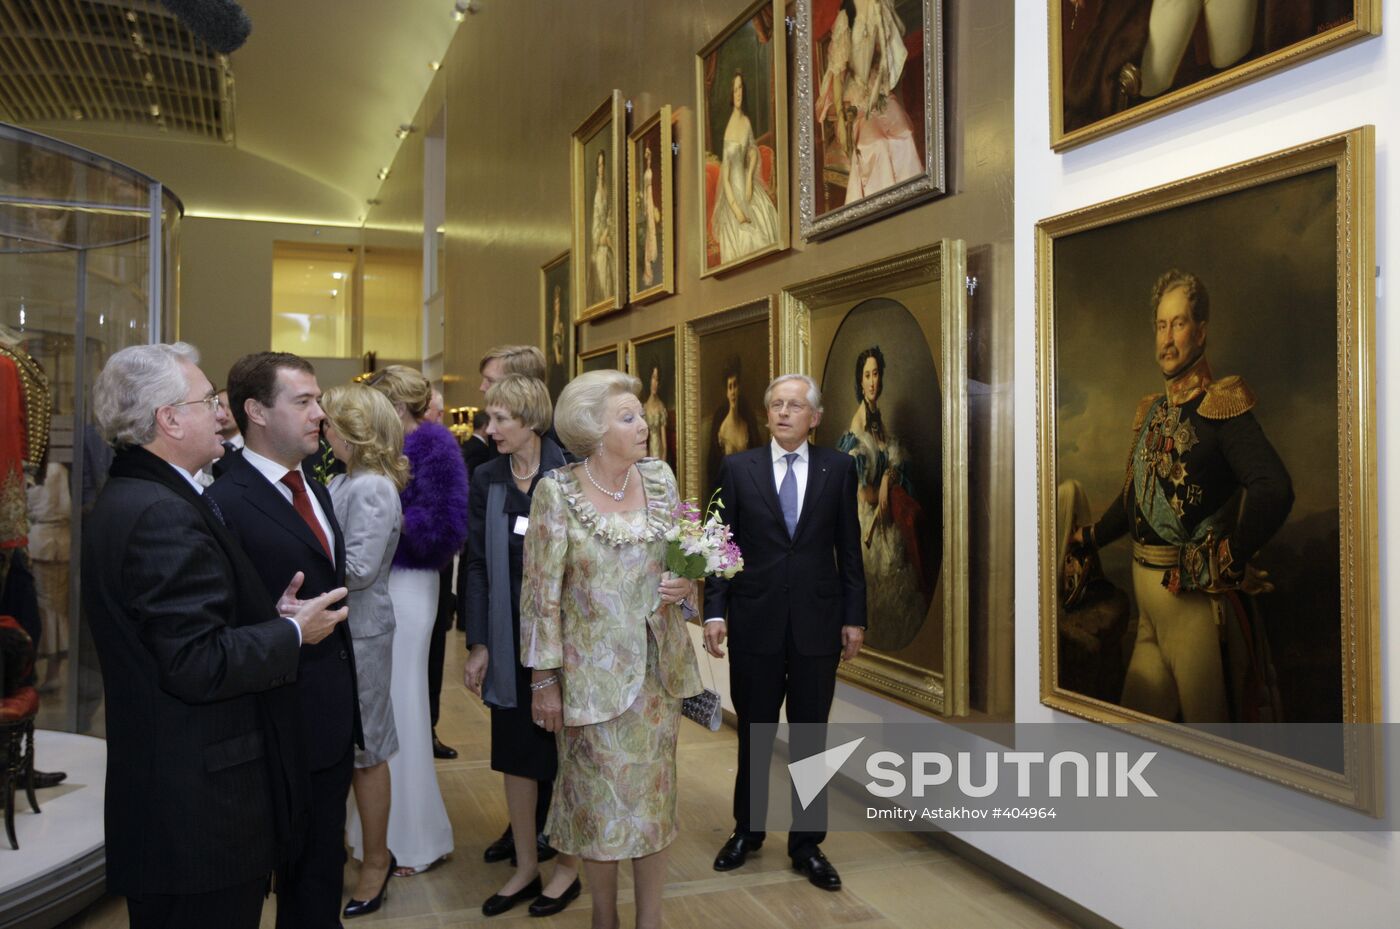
[590, 596]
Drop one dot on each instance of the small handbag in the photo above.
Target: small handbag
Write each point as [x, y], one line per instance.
[706, 707]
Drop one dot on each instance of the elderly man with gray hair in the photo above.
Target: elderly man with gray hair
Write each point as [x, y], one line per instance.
[794, 612]
[204, 788]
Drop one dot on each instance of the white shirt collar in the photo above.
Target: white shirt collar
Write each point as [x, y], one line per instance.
[236, 441]
[269, 469]
[778, 451]
[193, 481]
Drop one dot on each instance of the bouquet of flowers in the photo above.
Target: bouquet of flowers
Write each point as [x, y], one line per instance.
[699, 546]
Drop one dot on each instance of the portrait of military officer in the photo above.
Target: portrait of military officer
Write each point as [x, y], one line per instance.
[1203, 491]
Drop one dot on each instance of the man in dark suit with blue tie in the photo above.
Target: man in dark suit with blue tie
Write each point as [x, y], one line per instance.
[286, 524]
[204, 770]
[798, 607]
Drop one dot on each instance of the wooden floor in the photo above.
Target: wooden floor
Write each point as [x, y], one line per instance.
[892, 879]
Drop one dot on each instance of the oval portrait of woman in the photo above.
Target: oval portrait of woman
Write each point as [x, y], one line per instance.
[884, 409]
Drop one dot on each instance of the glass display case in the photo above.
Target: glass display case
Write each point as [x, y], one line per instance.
[89, 264]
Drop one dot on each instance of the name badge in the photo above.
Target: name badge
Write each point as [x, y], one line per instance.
[521, 524]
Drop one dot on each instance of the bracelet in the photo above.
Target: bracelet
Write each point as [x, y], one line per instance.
[544, 682]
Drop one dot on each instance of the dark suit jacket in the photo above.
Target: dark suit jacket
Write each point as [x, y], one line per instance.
[814, 581]
[203, 764]
[475, 451]
[279, 543]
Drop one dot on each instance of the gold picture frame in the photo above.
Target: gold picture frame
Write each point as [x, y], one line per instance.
[556, 322]
[737, 343]
[914, 102]
[599, 246]
[660, 353]
[754, 43]
[1290, 231]
[1085, 48]
[613, 355]
[917, 302]
[651, 208]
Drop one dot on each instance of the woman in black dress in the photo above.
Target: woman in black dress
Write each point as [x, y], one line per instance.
[519, 414]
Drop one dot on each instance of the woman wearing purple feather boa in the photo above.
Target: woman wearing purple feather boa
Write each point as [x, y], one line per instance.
[434, 528]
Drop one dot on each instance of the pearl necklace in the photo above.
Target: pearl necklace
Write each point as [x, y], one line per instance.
[617, 494]
[522, 477]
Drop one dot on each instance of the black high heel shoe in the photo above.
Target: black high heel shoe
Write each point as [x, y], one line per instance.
[364, 907]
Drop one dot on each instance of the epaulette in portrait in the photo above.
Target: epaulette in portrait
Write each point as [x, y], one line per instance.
[1140, 416]
[1227, 398]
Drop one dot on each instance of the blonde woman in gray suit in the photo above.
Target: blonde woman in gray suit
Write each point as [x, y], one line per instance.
[364, 431]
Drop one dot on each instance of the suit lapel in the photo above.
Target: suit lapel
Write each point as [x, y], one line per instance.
[323, 497]
[262, 495]
[817, 464]
[761, 469]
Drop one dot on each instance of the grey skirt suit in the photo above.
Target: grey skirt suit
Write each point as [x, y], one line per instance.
[367, 507]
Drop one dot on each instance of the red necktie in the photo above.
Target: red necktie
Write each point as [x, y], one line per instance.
[301, 501]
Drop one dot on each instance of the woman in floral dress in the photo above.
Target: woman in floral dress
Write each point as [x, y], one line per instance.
[603, 630]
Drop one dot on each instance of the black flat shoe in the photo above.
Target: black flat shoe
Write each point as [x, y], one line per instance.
[501, 849]
[819, 871]
[736, 851]
[444, 752]
[362, 907]
[543, 850]
[499, 903]
[548, 906]
[44, 779]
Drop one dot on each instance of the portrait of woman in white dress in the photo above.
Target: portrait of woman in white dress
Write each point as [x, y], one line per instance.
[650, 213]
[745, 219]
[601, 284]
[859, 96]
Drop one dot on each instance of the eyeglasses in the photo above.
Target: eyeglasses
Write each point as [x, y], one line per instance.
[212, 401]
[792, 406]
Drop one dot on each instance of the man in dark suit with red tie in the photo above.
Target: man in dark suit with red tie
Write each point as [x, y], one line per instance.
[204, 772]
[286, 524]
[798, 607]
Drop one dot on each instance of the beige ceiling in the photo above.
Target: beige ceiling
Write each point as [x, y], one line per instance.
[321, 87]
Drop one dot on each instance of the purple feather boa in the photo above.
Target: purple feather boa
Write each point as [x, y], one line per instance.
[435, 500]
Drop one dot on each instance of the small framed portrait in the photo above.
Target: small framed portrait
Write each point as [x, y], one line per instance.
[1116, 63]
[886, 344]
[599, 245]
[653, 360]
[728, 359]
[556, 323]
[651, 240]
[741, 120]
[1208, 495]
[869, 109]
[601, 359]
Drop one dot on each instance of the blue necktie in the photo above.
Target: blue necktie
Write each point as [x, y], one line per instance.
[787, 495]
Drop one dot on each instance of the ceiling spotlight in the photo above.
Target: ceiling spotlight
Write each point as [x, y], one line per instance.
[461, 8]
[374, 201]
[434, 65]
[155, 109]
[383, 173]
[404, 129]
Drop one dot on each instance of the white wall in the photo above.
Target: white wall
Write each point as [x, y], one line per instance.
[1201, 880]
